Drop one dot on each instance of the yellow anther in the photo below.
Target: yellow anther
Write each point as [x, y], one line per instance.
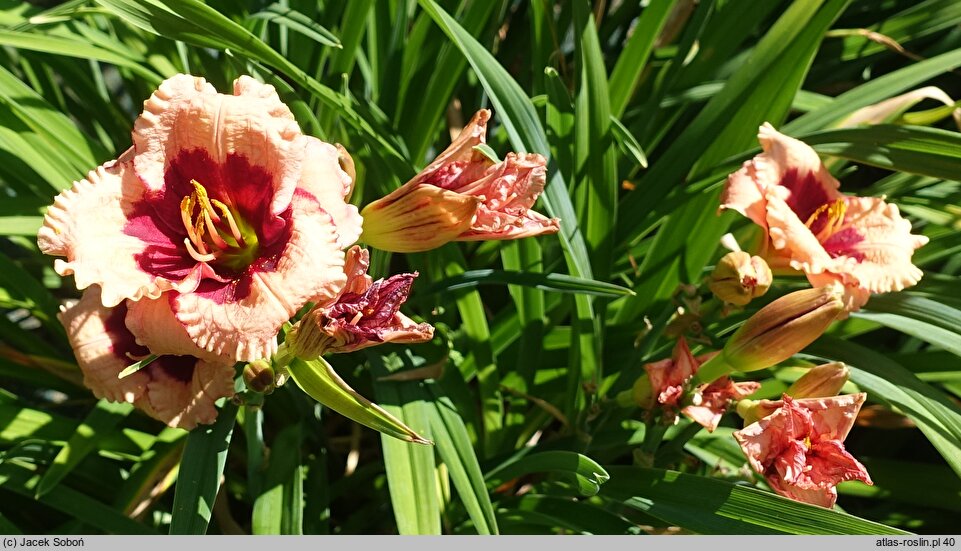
[203, 200]
[199, 231]
[835, 212]
[186, 213]
[186, 210]
[814, 216]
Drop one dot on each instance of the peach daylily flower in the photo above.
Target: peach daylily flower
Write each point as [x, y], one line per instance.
[367, 313]
[669, 377]
[178, 390]
[222, 219]
[462, 196]
[861, 242]
[799, 448]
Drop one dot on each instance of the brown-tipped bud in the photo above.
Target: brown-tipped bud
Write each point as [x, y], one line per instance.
[259, 376]
[740, 277]
[783, 328]
[822, 381]
[642, 393]
[422, 218]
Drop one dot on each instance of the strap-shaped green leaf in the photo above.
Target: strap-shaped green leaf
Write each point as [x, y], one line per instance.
[102, 420]
[587, 472]
[711, 506]
[200, 469]
[319, 380]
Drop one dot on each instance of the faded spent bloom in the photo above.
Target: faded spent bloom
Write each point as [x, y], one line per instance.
[178, 390]
[365, 314]
[861, 242]
[461, 196]
[669, 378]
[799, 448]
[739, 277]
[222, 220]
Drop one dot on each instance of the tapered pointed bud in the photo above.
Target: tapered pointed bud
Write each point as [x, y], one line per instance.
[740, 277]
[822, 381]
[783, 328]
[259, 376]
[423, 218]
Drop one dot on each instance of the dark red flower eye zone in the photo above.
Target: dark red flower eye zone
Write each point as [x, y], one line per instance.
[369, 314]
[807, 195]
[124, 346]
[246, 189]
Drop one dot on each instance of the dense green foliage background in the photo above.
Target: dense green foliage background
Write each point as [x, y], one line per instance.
[643, 108]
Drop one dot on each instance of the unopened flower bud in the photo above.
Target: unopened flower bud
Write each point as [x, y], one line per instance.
[754, 410]
[641, 392]
[259, 376]
[822, 381]
[418, 218]
[783, 328]
[740, 277]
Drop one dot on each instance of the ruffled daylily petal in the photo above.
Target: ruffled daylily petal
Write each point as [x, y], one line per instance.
[96, 335]
[833, 417]
[508, 191]
[787, 162]
[798, 448]
[860, 242]
[178, 390]
[367, 313]
[462, 196]
[880, 240]
[356, 264]
[241, 318]
[186, 114]
[156, 327]
[322, 177]
[86, 221]
[182, 401]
